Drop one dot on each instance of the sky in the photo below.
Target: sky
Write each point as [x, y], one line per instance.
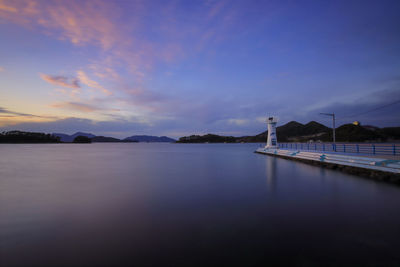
[175, 68]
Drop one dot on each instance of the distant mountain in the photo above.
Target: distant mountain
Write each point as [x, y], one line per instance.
[296, 132]
[63, 137]
[301, 133]
[79, 137]
[89, 135]
[355, 133]
[291, 132]
[392, 133]
[149, 138]
[70, 138]
[105, 139]
[314, 127]
[370, 127]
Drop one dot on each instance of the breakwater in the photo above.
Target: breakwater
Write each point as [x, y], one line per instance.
[376, 168]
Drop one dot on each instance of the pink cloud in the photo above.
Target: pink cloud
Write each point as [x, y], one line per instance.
[96, 23]
[80, 22]
[71, 93]
[83, 78]
[121, 47]
[7, 8]
[73, 83]
[61, 81]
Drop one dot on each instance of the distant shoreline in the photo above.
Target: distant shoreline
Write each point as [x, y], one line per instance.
[291, 132]
[20, 137]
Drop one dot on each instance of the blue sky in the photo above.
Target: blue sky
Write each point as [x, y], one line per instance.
[192, 67]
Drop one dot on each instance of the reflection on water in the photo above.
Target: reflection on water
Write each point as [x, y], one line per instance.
[187, 204]
[271, 172]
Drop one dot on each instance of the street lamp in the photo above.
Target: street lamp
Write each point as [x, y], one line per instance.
[333, 119]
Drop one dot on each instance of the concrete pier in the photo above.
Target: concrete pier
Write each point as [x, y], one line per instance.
[376, 168]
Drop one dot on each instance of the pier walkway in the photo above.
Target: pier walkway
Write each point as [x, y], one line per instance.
[369, 163]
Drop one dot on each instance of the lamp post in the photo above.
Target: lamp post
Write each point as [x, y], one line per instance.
[333, 120]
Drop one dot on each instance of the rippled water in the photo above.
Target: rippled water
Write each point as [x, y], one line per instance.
[187, 204]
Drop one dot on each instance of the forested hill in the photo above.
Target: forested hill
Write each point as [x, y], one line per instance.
[150, 138]
[27, 137]
[297, 132]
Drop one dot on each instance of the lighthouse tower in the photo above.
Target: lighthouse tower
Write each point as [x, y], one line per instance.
[272, 139]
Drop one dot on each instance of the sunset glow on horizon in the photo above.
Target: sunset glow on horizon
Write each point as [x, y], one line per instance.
[176, 68]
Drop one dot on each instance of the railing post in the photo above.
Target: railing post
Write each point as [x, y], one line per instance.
[394, 149]
[358, 149]
[373, 149]
[315, 147]
[334, 147]
[344, 148]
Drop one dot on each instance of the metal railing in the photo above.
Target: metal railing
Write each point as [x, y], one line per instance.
[355, 148]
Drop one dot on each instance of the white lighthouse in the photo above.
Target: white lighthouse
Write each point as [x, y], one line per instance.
[272, 141]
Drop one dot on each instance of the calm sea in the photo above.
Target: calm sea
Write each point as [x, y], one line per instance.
[187, 204]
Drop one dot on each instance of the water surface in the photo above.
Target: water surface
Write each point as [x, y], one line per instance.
[187, 204]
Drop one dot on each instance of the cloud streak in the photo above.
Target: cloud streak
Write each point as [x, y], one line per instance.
[7, 8]
[83, 78]
[76, 106]
[9, 117]
[6, 111]
[74, 83]
[61, 81]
